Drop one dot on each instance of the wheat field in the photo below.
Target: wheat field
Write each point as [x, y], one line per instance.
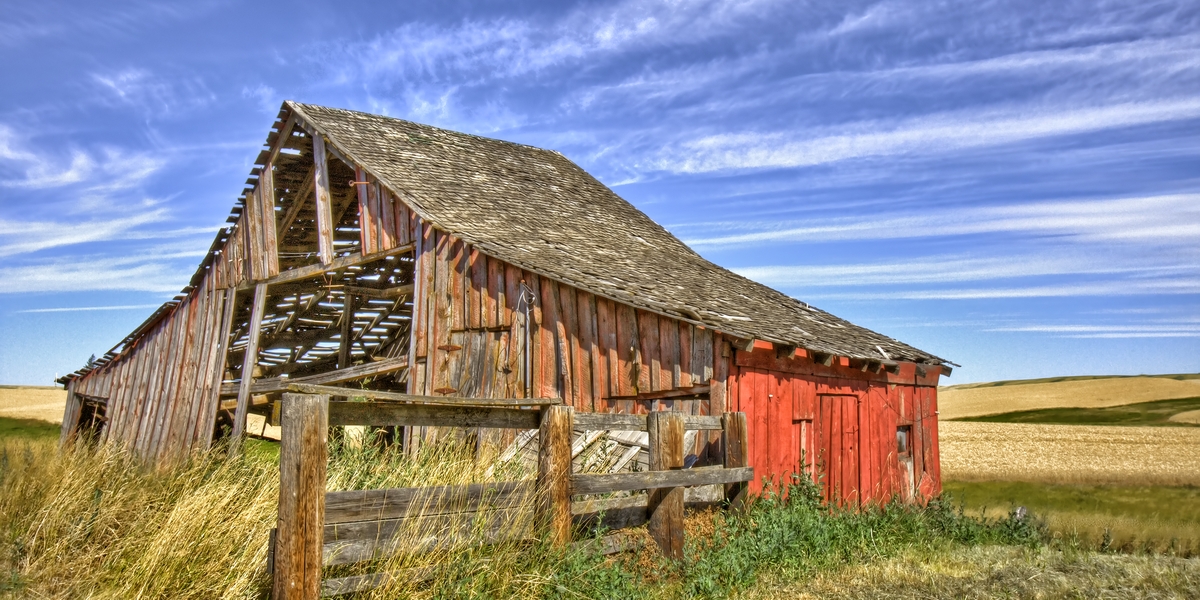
[973, 400]
[1070, 453]
[32, 402]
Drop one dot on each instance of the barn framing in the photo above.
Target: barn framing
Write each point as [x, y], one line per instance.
[388, 255]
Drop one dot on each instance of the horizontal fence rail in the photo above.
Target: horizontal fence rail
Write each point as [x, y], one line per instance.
[616, 422]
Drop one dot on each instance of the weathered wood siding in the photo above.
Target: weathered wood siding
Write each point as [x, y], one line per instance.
[471, 332]
[161, 390]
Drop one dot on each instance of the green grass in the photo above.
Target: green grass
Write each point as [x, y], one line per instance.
[1175, 376]
[28, 429]
[1155, 414]
[1155, 518]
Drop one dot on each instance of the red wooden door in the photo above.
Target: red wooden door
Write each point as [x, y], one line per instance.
[838, 448]
[773, 442]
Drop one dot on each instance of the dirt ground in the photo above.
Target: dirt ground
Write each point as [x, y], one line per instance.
[1070, 453]
[32, 402]
[969, 401]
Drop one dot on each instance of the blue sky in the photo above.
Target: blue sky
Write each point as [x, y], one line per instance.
[1012, 185]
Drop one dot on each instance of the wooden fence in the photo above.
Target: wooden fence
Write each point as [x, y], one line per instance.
[317, 528]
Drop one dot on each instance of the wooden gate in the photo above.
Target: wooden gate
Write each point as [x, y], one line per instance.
[318, 528]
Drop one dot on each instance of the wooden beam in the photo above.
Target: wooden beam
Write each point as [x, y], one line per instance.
[681, 393]
[324, 202]
[369, 505]
[248, 362]
[359, 541]
[342, 262]
[381, 414]
[645, 480]
[345, 329]
[279, 384]
[430, 400]
[623, 422]
[298, 202]
[383, 294]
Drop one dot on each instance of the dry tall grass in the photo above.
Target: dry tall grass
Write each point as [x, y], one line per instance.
[100, 525]
[32, 402]
[1069, 453]
[956, 402]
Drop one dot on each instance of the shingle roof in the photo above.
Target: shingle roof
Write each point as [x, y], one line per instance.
[537, 210]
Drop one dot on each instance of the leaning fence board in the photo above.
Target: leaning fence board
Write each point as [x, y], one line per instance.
[625, 482]
[366, 540]
[382, 414]
[619, 422]
[365, 505]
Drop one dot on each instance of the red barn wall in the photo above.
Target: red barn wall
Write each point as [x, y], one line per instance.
[838, 425]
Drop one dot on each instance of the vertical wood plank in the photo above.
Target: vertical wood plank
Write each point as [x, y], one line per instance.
[303, 455]
[630, 367]
[323, 199]
[554, 472]
[441, 315]
[478, 289]
[512, 292]
[590, 357]
[460, 285]
[555, 363]
[684, 368]
[387, 213]
[346, 328]
[403, 230]
[606, 342]
[266, 183]
[665, 505]
[366, 233]
[248, 362]
[648, 330]
[734, 434]
[580, 378]
[494, 309]
[668, 336]
[543, 353]
[70, 423]
[207, 423]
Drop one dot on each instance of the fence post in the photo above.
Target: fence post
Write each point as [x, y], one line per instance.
[554, 472]
[733, 425]
[666, 504]
[303, 457]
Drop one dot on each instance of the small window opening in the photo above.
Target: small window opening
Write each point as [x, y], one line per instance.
[902, 440]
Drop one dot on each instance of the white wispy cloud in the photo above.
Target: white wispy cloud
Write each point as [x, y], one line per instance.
[105, 170]
[88, 308]
[1169, 218]
[952, 269]
[931, 134]
[150, 94]
[1121, 287]
[143, 273]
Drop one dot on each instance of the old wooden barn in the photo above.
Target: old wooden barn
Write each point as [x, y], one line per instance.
[379, 253]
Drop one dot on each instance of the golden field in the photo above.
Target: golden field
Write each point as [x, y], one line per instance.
[1070, 453]
[32, 402]
[1191, 416]
[972, 400]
